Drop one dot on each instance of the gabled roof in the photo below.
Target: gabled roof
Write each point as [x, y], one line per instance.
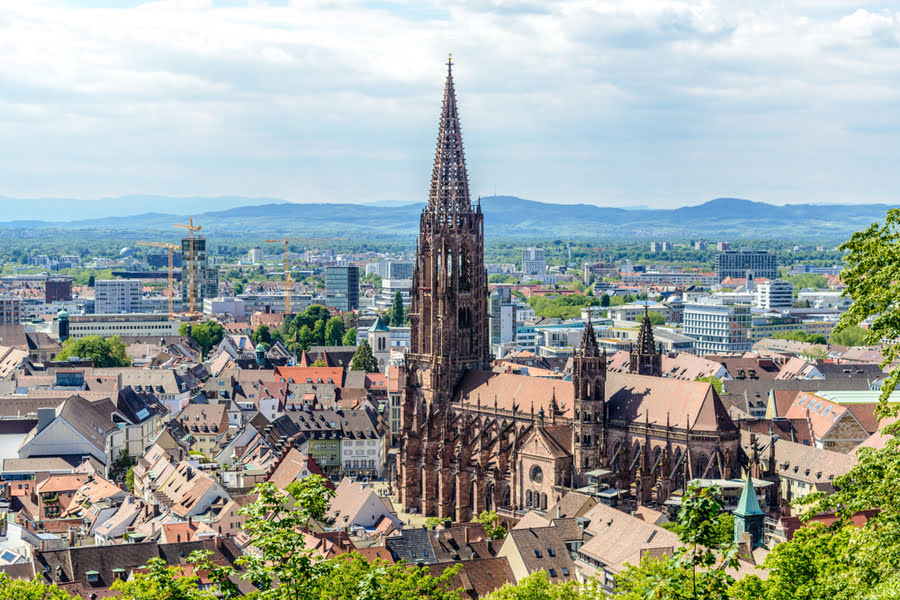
[683, 404]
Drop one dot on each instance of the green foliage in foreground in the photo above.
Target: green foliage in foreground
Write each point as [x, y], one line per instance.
[103, 352]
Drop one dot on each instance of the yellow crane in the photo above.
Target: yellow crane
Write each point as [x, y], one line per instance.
[288, 280]
[191, 228]
[170, 248]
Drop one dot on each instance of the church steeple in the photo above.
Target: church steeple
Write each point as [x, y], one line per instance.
[448, 317]
[589, 383]
[449, 196]
[645, 359]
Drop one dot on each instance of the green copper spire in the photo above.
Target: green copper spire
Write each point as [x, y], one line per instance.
[748, 505]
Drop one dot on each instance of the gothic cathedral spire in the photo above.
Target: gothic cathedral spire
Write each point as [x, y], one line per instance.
[448, 318]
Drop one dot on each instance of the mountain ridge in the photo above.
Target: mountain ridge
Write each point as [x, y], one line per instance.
[505, 216]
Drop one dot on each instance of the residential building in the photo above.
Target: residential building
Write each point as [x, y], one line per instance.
[700, 245]
[274, 302]
[774, 294]
[57, 289]
[10, 310]
[722, 246]
[342, 287]
[207, 425]
[117, 296]
[538, 549]
[255, 255]
[635, 310]
[197, 273]
[736, 263]
[533, 262]
[660, 246]
[717, 327]
[355, 505]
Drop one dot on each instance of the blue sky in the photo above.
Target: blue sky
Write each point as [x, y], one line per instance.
[645, 102]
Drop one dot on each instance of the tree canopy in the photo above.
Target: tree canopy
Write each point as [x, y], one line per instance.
[207, 334]
[363, 359]
[103, 352]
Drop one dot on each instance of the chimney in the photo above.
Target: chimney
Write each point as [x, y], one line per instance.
[190, 521]
[466, 538]
[72, 538]
[558, 511]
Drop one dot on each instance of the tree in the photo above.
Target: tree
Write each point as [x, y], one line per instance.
[604, 300]
[334, 331]
[35, 589]
[207, 334]
[537, 587]
[656, 318]
[352, 577]
[872, 278]
[363, 359]
[129, 479]
[398, 315]
[238, 288]
[262, 335]
[91, 281]
[103, 352]
[319, 363]
[283, 568]
[715, 381]
[162, 582]
[491, 523]
[349, 337]
[849, 336]
[697, 569]
[318, 333]
[305, 337]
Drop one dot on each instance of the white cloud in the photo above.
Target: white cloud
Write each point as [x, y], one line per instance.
[626, 102]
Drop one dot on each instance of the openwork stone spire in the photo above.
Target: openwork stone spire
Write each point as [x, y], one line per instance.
[589, 346]
[449, 195]
[645, 342]
[645, 359]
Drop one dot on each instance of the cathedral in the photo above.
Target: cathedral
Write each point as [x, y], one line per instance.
[475, 440]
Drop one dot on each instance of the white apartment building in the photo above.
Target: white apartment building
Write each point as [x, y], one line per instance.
[117, 296]
[717, 326]
[533, 262]
[774, 294]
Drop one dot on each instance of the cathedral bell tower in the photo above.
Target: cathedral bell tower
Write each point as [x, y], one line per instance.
[448, 318]
[589, 382]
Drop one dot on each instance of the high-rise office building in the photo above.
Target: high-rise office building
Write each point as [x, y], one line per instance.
[342, 287]
[717, 326]
[736, 263]
[533, 262]
[205, 278]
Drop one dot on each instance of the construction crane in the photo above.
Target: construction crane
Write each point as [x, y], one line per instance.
[170, 248]
[288, 280]
[191, 228]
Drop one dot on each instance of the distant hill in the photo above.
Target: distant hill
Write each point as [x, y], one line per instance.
[505, 216]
